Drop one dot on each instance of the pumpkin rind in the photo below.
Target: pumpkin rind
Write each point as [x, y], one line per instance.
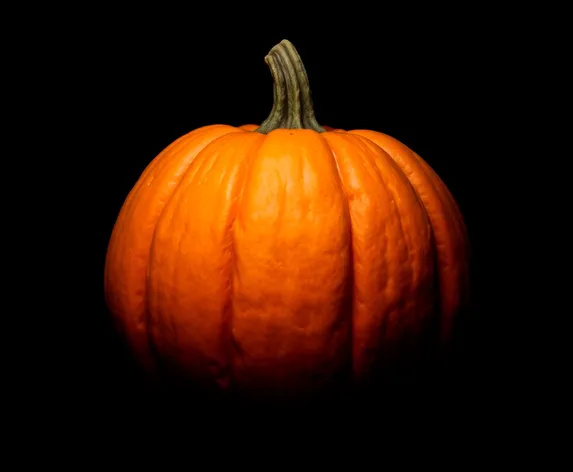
[284, 261]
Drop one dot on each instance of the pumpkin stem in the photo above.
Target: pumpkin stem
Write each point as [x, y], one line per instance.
[292, 105]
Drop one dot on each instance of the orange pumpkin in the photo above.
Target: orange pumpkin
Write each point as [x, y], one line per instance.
[286, 255]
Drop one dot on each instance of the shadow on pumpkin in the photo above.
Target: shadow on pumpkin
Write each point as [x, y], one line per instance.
[424, 383]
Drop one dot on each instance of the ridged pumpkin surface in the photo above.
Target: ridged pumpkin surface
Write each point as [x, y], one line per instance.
[284, 256]
[277, 259]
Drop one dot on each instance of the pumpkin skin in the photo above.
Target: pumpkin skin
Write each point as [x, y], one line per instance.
[282, 261]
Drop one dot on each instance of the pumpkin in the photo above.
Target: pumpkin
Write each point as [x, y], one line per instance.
[283, 256]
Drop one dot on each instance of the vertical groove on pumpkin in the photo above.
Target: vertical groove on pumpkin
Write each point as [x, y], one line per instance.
[446, 225]
[361, 176]
[461, 226]
[154, 168]
[161, 373]
[422, 348]
[407, 340]
[447, 325]
[350, 374]
[437, 186]
[230, 344]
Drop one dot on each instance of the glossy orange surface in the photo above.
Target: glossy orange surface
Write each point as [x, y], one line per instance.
[280, 261]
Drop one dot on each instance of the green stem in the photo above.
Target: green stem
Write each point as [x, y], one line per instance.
[292, 105]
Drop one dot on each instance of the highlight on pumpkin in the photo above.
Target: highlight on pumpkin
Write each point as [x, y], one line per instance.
[288, 258]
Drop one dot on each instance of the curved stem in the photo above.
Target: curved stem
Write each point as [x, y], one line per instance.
[292, 106]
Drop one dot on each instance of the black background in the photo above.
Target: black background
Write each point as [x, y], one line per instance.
[135, 83]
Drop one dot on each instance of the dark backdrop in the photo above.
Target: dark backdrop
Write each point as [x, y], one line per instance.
[137, 86]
